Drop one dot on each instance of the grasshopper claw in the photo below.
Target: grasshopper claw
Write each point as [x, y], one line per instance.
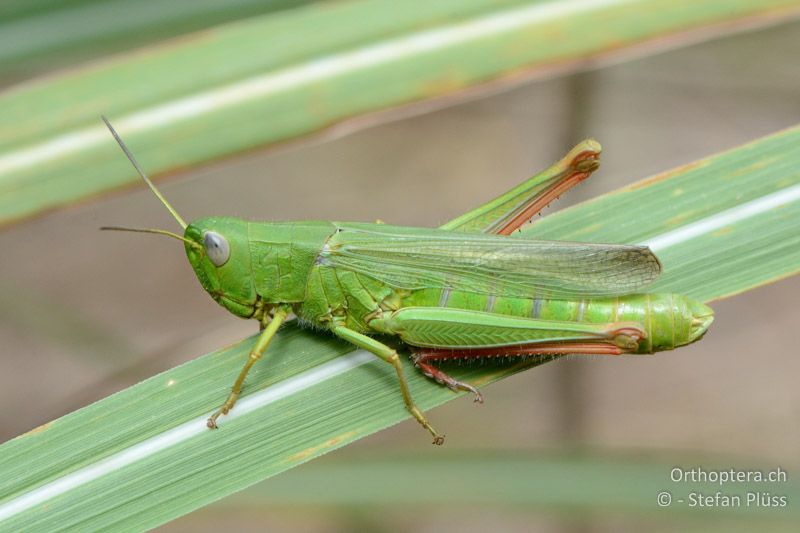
[478, 396]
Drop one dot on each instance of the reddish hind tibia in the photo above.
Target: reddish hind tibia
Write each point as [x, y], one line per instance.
[581, 168]
[440, 377]
[422, 359]
[547, 348]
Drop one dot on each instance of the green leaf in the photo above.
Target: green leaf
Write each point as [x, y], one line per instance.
[280, 76]
[40, 36]
[143, 456]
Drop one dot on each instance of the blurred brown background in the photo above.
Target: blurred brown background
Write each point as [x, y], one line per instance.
[99, 311]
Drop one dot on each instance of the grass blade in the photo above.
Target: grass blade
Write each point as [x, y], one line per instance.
[317, 66]
[41, 36]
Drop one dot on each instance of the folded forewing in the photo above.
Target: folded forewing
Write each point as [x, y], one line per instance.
[414, 258]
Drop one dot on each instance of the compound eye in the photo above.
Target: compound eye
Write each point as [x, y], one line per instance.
[217, 248]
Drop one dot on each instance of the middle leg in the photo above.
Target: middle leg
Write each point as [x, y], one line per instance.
[390, 356]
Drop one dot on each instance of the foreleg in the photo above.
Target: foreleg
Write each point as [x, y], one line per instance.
[255, 354]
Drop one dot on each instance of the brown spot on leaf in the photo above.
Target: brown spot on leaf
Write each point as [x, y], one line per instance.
[679, 219]
[35, 430]
[723, 231]
[668, 174]
[319, 448]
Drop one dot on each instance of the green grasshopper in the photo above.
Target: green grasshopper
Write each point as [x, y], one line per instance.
[466, 290]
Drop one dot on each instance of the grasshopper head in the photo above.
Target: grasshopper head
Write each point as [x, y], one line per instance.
[219, 252]
[217, 247]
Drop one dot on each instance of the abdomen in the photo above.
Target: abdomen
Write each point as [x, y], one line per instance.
[668, 320]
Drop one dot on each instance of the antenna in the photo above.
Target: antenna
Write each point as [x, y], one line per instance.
[142, 174]
[157, 232]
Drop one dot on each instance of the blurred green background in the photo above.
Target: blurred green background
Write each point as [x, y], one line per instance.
[564, 447]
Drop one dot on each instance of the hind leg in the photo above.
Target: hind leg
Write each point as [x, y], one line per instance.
[423, 358]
